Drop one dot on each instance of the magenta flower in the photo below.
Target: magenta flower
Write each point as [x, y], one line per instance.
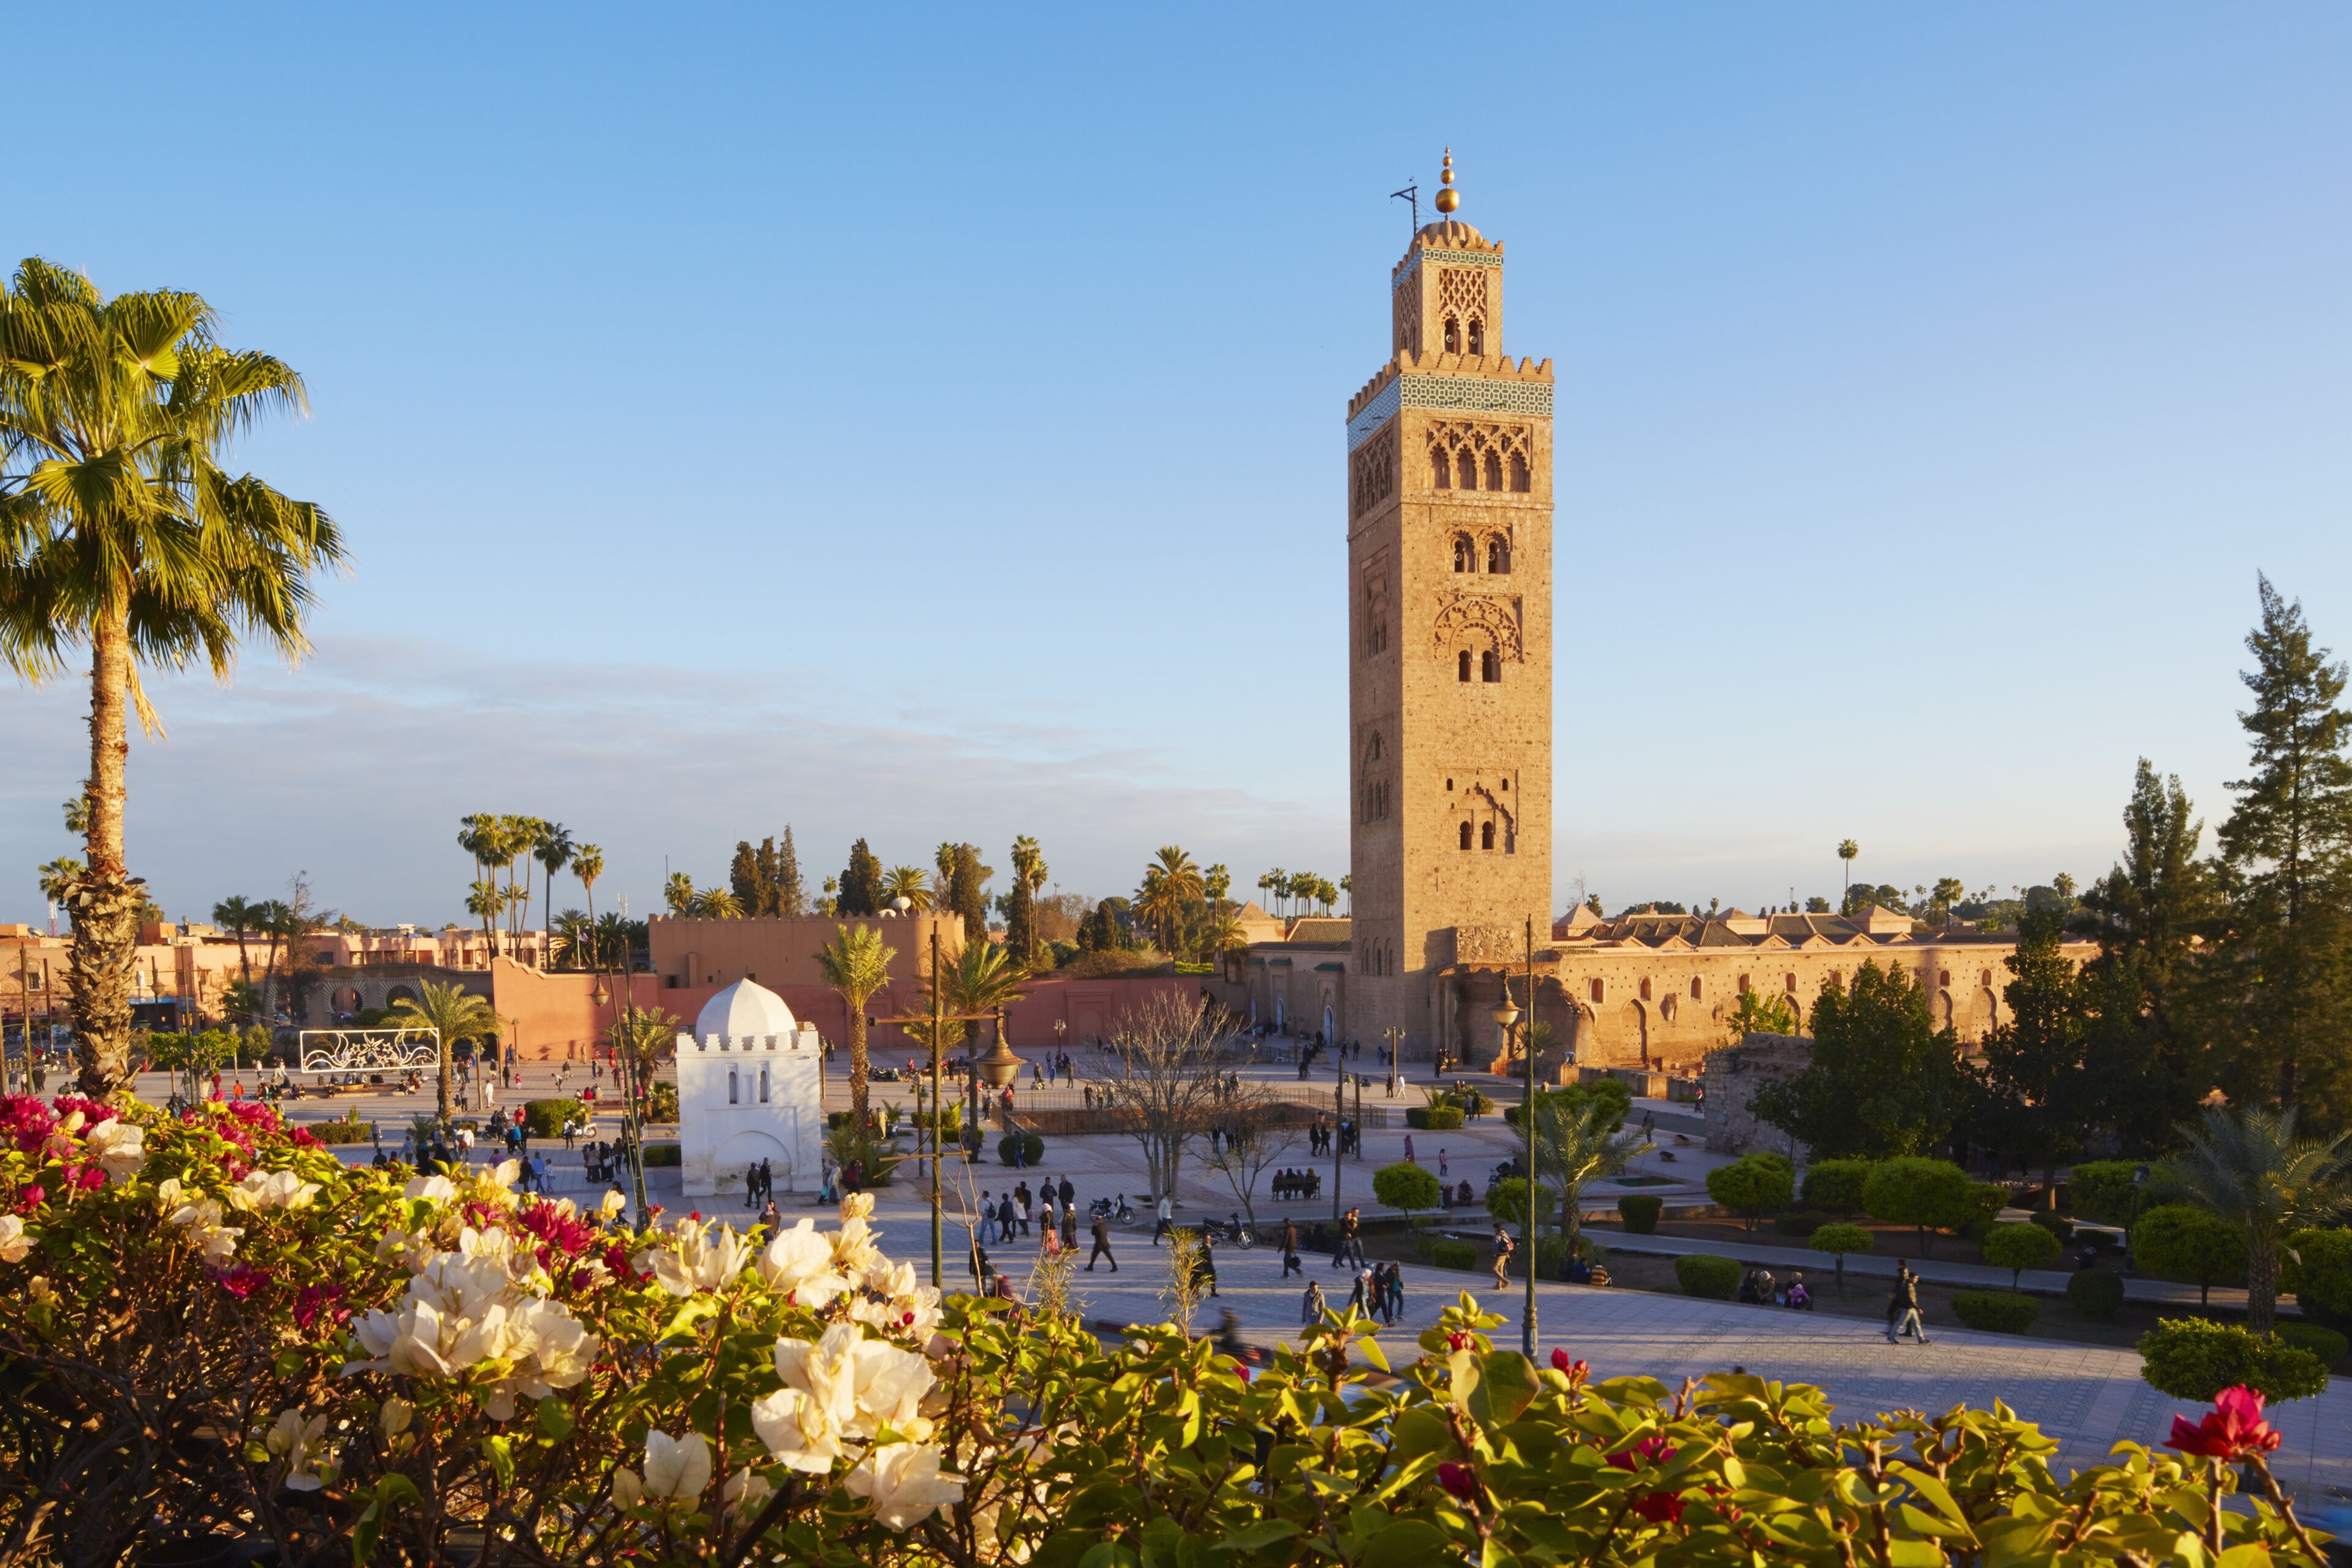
[1461, 1480]
[2232, 1429]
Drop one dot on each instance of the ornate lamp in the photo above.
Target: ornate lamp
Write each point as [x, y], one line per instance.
[1000, 1066]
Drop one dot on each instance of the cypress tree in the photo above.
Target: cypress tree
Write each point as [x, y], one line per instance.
[861, 883]
[2286, 848]
[792, 899]
[967, 891]
[1021, 923]
[765, 859]
[743, 876]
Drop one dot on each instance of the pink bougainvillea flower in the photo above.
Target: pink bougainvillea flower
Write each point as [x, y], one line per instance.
[313, 1302]
[1461, 1480]
[1658, 1508]
[30, 1197]
[2232, 1429]
[92, 1111]
[241, 1279]
[85, 1178]
[303, 1138]
[26, 1122]
[1576, 1369]
[565, 1233]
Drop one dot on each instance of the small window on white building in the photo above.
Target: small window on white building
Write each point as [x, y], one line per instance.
[763, 1083]
[731, 1090]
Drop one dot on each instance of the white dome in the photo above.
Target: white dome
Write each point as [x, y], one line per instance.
[745, 1010]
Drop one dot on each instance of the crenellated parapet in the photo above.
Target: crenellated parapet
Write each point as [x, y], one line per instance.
[804, 1038]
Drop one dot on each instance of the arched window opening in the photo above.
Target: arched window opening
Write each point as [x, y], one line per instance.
[731, 1090]
[1493, 470]
[1453, 336]
[1440, 469]
[1792, 985]
[1486, 835]
[1596, 991]
[1744, 985]
[1520, 477]
[1490, 666]
[1466, 470]
[1466, 835]
[763, 1083]
[1694, 988]
[1499, 555]
[1465, 555]
[1461, 664]
[1645, 988]
[1477, 336]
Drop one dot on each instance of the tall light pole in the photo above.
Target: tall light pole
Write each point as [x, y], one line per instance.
[1505, 1014]
[936, 1019]
[1395, 1038]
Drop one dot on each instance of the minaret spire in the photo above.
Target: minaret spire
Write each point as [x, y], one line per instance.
[1448, 198]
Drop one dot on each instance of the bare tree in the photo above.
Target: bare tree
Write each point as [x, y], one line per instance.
[1257, 1131]
[1161, 1073]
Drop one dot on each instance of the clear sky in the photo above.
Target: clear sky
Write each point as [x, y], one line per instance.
[926, 424]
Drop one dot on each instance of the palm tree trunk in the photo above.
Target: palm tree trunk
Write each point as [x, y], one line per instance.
[105, 902]
[858, 1064]
[2261, 1287]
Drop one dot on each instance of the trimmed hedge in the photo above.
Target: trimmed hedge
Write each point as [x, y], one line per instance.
[2096, 1294]
[1836, 1185]
[1434, 1117]
[2190, 1357]
[1703, 1274]
[1641, 1214]
[2326, 1344]
[545, 1118]
[1997, 1311]
[345, 1129]
[1799, 1221]
[1448, 1254]
[2057, 1225]
[1032, 1148]
[660, 1154]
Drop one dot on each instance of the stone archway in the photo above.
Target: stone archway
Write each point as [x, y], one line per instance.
[1944, 1014]
[1636, 1027]
[745, 1150]
[1984, 1012]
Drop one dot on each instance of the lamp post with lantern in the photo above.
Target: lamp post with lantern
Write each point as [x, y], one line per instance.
[1506, 1016]
[632, 1127]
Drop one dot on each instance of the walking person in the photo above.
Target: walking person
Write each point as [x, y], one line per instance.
[1006, 1219]
[1167, 1219]
[1070, 1224]
[1504, 1247]
[1408, 1150]
[1102, 1245]
[1310, 1306]
[1204, 1263]
[1903, 1307]
[1290, 1264]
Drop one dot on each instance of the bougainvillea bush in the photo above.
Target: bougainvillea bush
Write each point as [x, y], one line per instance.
[209, 1326]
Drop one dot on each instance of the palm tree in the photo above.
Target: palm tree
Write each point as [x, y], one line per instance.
[1847, 850]
[569, 937]
[275, 922]
[588, 864]
[983, 978]
[484, 900]
[717, 904]
[1274, 884]
[59, 875]
[615, 936]
[454, 1012]
[1180, 884]
[679, 893]
[1576, 1146]
[119, 533]
[907, 882]
[552, 849]
[856, 964]
[2247, 1166]
[241, 916]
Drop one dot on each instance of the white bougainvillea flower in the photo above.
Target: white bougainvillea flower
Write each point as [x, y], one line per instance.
[298, 1441]
[745, 1491]
[797, 1430]
[904, 1484]
[856, 1205]
[799, 1263]
[826, 1371]
[272, 1190]
[202, 1217]
[676, 1467]
[890, 1385]
[169, 1194]
[433, 1189]
[613, 1204]
[692, 1261]
[119, 1147]
[463, 1309]
[14, 1242]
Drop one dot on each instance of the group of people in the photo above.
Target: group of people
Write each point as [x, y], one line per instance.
[1321, 1135]
[1759, 1288]
[1290, 1184]
[758, 1185]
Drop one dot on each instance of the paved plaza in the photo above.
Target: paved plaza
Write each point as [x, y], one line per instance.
[2087, 1397]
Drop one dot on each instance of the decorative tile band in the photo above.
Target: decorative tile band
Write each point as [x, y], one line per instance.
[1468, 394]
[1447, 258]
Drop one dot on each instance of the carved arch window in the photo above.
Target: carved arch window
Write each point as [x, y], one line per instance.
[1452, 335]
[1494, 470]
[1486, 835]
[1441, 467]
[1466, 470]
[1465, 553]
[1490, 668]
[1645, 988]
[1462, 666]
[1498, 553]
[1696, 989]
[1477, 336]
[1466, 835]
[1522, 477]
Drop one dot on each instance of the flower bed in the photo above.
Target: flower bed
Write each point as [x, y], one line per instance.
[210, 1323]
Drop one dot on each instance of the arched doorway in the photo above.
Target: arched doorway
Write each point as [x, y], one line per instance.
[1636, 1027]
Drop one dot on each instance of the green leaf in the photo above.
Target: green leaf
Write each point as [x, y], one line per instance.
[693, 1311]
[1506, 1384]
[1915, 1554]
[555, 1419]
[1932, 1492]
[1408, 1543]
[1372, 1352]
[1107, 1554]
[499, 1452]
[1252, 1537]
[1163, 1541]
[1424, 1430]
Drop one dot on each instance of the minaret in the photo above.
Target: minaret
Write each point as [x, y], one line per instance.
[1449, 627]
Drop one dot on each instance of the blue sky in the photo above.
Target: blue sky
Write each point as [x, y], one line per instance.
[926, 424]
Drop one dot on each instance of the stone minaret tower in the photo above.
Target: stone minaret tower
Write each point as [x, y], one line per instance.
[1449, 629]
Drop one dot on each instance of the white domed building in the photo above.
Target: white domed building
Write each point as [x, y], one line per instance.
[751, 1087]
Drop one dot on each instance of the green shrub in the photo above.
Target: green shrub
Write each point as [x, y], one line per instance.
[1836, 1185]
[345, 1129]
[2326, 1344]
[1508, 1201]
[2190, 1357]
[1997, 1311]
[2096, 1294]
[1702, 1274]
[1799, 1221]
[1752, 1186]
[2319, 1272]
[545, 1118]
[2191, 1245]
[2101, 1190]
[1434, 1117]
[1032, 1148]
[1551, 1253]
[1923, 1193]
[1641, 1214]
[1840, 1239]
[2018, 1247]
[660, 1154]
[1609, 1092]
[2056, 1223]
[1451, 1254]
[1405, 1186]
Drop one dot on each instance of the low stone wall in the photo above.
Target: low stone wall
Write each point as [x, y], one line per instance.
[1731, 1077]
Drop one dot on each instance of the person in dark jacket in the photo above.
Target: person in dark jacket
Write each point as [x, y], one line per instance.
[1102, 1245]
[1903, 1307]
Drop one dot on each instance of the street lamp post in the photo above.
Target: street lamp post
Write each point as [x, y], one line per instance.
[1395, 1038]
[624, 1068]
[1506, 1016]
[936, 1019]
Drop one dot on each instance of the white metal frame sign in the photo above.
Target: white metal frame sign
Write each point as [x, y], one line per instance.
[352, 1050]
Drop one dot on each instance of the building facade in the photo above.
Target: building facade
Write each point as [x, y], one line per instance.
[1450, 634]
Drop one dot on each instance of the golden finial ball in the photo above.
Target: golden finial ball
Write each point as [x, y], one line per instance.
[1448, 198]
